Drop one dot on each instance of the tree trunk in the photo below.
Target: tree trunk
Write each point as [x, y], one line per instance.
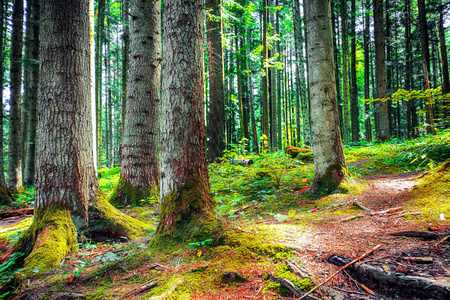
[125, 50]
[216, 116]
[445, 73]
[345, 84]
[139, 174]
[66, 183]
[30, 145]
[5, 196]
[187, 210]
[329, 161]
[300, 78]
[337, 75]
[273, 93]
[383, 115]
[278, 74]
[98, 76]
[265, 78]
[408, 67]
[367, 119]
[354, 106]
[14, 182]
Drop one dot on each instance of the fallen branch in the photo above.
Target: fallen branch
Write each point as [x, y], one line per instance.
[352, 218]
[441, 241]
[360, 206]
[371, 214]
[292, 287]
[410, 213]
[169, 292]
[241, 162]
[342, 268]
[419, 234]
[243, 208]
[15, 213]
[140, 289]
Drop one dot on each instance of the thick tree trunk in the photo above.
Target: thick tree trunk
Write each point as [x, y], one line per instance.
[329, 161]
[30, 145]
[367, 118]
[67, 190]
[216, 116]
[5, 196]
[383, 115]
[139, 174]
[354, 106]
[187, 210]
[14, 181]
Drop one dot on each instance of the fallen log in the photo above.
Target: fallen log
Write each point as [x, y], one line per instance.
[340, 269]
[241, 162]
[16, 213]
[139, 289]
[420, 234]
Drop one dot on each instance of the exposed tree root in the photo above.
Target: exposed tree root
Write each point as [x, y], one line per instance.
[15, 213]
[419, 234]
[142, 288]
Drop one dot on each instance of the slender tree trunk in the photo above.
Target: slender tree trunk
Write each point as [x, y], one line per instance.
[5, 196]
[98, 75]
[265, 79]
[125, 50]
[216, 116]
[187, 210]
[408, 67]
[367, 119]
[337, 60]
[273, 93]
[354, 106]
[30, 153]
[14, 182]
[445, 73]
[383, 115]
[139, 174]
[329, 161]
[345, 84]
[278, 79]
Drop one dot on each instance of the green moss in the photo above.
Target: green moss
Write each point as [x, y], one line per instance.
[50, 237]
[188, 214]
[330, 181]
[127, 194]
[282, 271]
[118, 224]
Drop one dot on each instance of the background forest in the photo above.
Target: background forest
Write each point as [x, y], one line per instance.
[204, 126]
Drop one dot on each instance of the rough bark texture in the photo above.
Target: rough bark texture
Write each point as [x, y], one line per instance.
[354, 106]
[216, 116]
[14, 179]
[265, 79]
[184, 182]
[300, 75]
[66, 184]
[30, 140]
[329, 161]
[383, 115]
[125, 50]
[408, 67]
[98, 76]
[445, 73]
[140, 168]
[5, 196]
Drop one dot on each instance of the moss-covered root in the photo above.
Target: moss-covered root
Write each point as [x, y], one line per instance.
[127, 194]
[106, 222]
[50, 237]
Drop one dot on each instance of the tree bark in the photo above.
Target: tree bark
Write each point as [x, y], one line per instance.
[30, 144]
[67, 190]
[329, 161]
[139, 175]
[354, 106]
[408, 67]
[125, 61]
[367, 118]
[265, 78]
[345, 84]
[216, 116]
[187, 210]
[98, 76]
[5, 196]
[445, 73]
[383, 115]
[14, 181]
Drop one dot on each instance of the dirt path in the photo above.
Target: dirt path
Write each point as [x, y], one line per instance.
[353, 238]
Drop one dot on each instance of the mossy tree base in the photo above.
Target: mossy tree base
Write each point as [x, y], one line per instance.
[51, 236]
[108, 223]
[127, 194]
[329, 181]
[5, 197]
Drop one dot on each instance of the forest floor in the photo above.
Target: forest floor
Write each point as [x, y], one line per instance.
[306, 231]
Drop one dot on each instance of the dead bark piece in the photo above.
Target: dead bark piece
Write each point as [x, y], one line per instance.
[360, 206]
[243, 208]
[241, 162]
[436, 289]
[420, 260]
[16, 213]
[169, 291]
[387, 211]
[419, 234]
[297, 269]
[139, 289]
[292, 287]
[342, 268]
